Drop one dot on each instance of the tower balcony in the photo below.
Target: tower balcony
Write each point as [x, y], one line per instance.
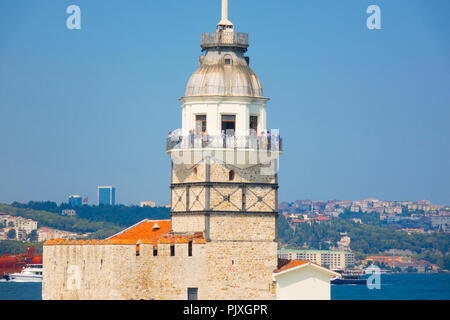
[251, 142]
[224, 39]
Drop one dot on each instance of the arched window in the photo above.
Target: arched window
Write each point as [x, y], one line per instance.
[227, 60]
[231, 175]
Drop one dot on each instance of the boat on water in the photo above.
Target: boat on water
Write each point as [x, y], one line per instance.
[349, 277]
[16, 262]
[31, 273]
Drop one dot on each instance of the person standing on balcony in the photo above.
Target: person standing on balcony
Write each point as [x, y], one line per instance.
[263, 140]
[276, 141]
[191, 138]
[205, 138]
[224, 139]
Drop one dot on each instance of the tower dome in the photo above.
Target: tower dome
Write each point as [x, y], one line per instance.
[224, 71]
[223, 96]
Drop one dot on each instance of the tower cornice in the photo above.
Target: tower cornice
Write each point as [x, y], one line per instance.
[219, 99]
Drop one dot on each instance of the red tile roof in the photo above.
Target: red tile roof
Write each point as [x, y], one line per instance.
[291, 264]
[285, 264]
[145, 232]
[322, 218]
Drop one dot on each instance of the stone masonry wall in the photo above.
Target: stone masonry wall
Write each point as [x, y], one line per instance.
[188, 223]
[240, 270]
[115, 272]
[242, 227]
[220, 270]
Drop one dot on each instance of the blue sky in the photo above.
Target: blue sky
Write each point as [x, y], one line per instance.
[363, 113]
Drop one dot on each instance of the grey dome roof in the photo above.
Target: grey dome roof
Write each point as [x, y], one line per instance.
[215, 78]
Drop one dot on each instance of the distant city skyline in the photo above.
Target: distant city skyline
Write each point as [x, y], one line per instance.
[106, 195]
[362, 113]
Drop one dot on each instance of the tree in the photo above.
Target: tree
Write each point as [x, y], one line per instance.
[33, 236]
[12, 234]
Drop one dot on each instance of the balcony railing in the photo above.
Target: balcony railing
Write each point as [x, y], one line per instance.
[224, 39]
[271, 143]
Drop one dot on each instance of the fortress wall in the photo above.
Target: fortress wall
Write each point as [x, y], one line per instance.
[252, 174]
[187, 173]
[179, 199]
[242, 227]
[197, 198]
[73, 272]
[263, 199]
[188, 223]
[219, 172]
[218, 201]
[240, 270]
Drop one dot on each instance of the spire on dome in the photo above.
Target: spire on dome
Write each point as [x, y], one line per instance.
[224, 35]
[224, 23]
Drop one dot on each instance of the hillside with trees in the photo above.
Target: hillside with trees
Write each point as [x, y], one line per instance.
[100, 222]
[18, 247]
[365, 238]
[119, 215]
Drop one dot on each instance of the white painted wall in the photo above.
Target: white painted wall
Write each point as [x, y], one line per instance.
[306, 283]
[215, 107]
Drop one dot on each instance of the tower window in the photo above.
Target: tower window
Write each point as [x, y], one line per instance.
[228, 124]
[192, 293]
[227, 60]
[155, 252]
[190, 249]
[137, 250]
[200, 123]
[231, 175]
[172, 250]
[253, 125]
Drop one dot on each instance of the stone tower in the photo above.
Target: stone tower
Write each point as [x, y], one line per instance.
[221, 240]
[224, 165]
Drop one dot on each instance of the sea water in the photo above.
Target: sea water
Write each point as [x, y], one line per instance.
[409, 286]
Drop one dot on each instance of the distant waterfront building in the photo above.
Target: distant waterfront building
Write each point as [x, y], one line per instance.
[23, 227]
[69, 212]
[335, 260]
[75, 200]
[344, 243]
[440, 222]
[45, 234]
[107, 195]
[151, 204]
